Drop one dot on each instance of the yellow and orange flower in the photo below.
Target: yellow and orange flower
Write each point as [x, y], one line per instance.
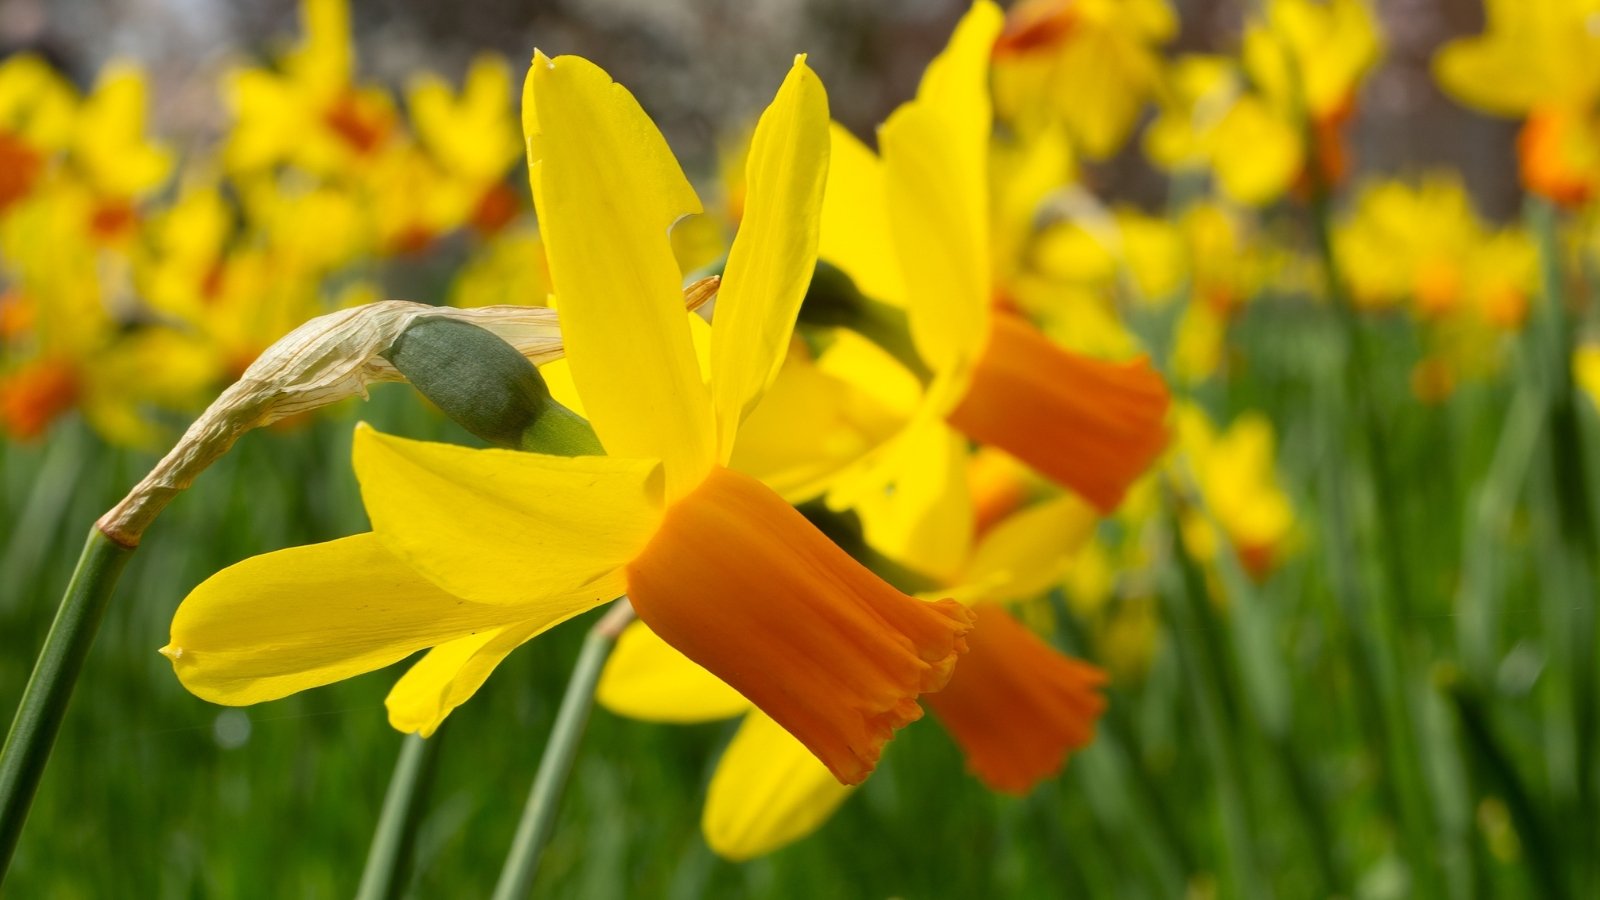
[475, 551]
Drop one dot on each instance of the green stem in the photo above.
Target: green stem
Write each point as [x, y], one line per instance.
[1252, 657]
[1120, 730]
[390, 858]
[539, 815]
[1405, 761]
[1537, 839]
[44, 700]
[1577, 537]
[1208, 689]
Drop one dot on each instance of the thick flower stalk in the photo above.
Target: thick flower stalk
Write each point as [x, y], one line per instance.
[475, 551]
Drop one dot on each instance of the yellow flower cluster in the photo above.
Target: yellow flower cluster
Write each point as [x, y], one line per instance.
[127, 291]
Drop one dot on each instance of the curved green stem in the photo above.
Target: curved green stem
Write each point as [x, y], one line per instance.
[539, 815]
[44, 700]
[391, 853]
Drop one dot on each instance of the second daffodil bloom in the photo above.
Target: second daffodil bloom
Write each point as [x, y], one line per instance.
[1089, 425]
[1015, 706]
[474, 551]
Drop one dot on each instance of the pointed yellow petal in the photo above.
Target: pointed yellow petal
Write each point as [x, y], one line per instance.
[923, 519]
[449, 674]
[608, 190]
[770, 263]
[645, 678]
[855, 219]
[935, 155]
[1028, 551]
[499, 526]
[307, 616]
[768, 791]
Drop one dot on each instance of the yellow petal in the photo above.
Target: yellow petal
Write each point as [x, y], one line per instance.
[608, 190]
[307, 616]
[775, 251]
[645, 678]
[768, 791]
[811, 426]
[855, 219]
[449, 674]
[923, 517]
[499, 526]
[1028, 551]
[935, 155]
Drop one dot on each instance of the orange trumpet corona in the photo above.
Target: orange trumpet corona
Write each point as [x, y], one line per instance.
[746, 587]
[1089, 425]
[1017, 707]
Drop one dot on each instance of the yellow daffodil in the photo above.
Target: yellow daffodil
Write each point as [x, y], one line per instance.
[1248, 122]
[1087, 424]
[1092, 65]
[309, 112]
[1015, 706]
[1538, 61]
[475, 551]
[1236, 474]
[110, 149]
[1424, 242]
[37, 112]
[473, 137]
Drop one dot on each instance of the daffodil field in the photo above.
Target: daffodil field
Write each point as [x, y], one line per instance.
[488, 494]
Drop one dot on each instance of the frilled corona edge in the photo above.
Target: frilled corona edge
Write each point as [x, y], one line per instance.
[742, 584]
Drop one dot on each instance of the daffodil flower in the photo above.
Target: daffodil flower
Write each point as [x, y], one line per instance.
[1089, 425]
[1250, 121]
[1236, 473]
[309, 111]
[1091, 64]
[1538, 61]
[1015, 706]
[474, 551]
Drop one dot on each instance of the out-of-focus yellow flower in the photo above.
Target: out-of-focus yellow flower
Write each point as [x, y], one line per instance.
[1236, 474]
[1586, 370]
[1423, 243]
[1015, 706]
[1090, 65]
[309, 112]
[37, 113]
[475, 551]
[473, 138]
[109, 147]
[1249, 122]
[1540, 61]
[508, 269]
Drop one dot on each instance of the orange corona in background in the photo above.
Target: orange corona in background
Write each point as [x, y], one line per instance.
[1037, 25]
[34, 396]
[1552, 150]
[1016, 706]
[745, 586]
[1090, 425]
[19, 168]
